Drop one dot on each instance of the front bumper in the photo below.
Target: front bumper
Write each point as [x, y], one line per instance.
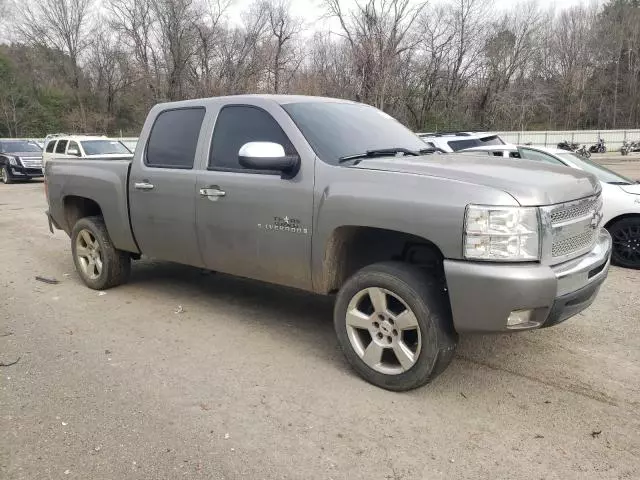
[483, 295]
[19, 172]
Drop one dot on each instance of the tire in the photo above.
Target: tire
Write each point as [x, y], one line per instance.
[405, 288]
[6, 177]
[90, 245]
[625, 234]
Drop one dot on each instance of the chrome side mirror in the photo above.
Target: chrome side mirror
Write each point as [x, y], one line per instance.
[268, 156]
[73, 151]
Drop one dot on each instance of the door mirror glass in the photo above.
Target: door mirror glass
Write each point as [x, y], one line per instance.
[73, 151]
[267, 156]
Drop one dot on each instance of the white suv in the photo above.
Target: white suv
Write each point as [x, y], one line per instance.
[453, 141]
[83, 146]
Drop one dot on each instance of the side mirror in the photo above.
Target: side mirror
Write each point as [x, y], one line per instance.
[268, 156]
[73, 151]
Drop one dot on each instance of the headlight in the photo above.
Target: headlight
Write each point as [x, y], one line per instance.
[508, 234]
[14, 160]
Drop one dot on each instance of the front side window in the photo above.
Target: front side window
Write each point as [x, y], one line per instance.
[51, 146]
[240, 124]
[340, 129]
[62, 146]
[73, 146]
[104, 147]
[174, 138]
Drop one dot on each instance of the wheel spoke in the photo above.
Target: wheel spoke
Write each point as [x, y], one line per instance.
[91, 267]
[378, 299]
[404, 355]
[99, 265]
[82, 251]
[406, 320]
[357, 319]
[372, 354]
[86, 238]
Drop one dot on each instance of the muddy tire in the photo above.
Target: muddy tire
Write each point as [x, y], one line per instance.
[393, 323]
[98, 262]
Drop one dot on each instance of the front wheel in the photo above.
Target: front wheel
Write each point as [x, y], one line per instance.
[394, 326]
[625, 234]
[98, 262]
[6, 177]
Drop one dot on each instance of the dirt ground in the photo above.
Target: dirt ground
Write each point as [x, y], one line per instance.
[248, 381]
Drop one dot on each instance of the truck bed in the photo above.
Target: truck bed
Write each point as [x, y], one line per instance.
[104, 181]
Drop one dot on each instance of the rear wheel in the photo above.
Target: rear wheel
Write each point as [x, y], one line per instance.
[6, 177]
[98, 262]
[625, 234]
[394, 326]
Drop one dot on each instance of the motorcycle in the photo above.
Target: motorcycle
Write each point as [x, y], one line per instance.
[584, 152]
[571, 147]
[626, 147]
[599, 147]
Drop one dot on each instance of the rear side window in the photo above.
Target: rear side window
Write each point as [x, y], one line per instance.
[174, 138]
[539, 157]
[51, 145]
[237, 125]
[62, 146]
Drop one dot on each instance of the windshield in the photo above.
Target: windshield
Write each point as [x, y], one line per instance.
[604, 174]
[19, 147]
[336, 130]
[104, 147]
[475, 142]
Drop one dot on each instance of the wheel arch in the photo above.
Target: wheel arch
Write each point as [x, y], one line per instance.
[77, 207]
[352, 247]
[624, 216]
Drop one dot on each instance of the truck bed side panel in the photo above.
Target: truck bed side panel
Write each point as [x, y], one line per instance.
[104, 182]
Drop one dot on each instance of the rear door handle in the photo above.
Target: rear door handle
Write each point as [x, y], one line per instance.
[143, 186]
[212, 192]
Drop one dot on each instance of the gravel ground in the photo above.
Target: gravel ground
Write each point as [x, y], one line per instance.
[248, 382]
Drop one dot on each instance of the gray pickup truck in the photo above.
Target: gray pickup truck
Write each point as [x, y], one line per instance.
[336, 197]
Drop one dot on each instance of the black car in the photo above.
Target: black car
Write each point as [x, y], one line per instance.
[20, 160]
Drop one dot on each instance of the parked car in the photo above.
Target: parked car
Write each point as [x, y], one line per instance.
[335, 197]
[84, 146]
[621, 197]
[454, 141]
[20, 160]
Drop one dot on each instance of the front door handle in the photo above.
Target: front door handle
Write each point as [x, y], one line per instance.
[143, 186]
[212, 192]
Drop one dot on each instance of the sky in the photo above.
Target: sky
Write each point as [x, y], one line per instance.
[312, 10]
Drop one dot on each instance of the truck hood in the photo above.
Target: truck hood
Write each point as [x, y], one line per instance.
[25, 154]
[530, 183]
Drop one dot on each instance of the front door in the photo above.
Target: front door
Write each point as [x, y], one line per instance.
[254, 224]
[162, 188]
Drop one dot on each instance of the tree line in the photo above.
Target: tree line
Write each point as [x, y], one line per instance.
[98, 66]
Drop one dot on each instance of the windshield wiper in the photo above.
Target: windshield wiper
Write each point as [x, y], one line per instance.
[384, 152]
[620, 183]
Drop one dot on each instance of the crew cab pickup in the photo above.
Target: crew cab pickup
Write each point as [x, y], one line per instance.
[337, 197]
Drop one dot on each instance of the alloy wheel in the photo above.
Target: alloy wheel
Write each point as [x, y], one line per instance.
[626, 242]
[89, 254]
[383, 331]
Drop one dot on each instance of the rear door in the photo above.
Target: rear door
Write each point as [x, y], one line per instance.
[260, 226]
[162, 187]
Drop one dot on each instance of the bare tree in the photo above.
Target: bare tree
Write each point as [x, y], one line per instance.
[378, 32]
[283, 28]
[59, 24]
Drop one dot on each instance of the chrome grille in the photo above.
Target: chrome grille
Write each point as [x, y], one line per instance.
[573, 244]
[31, 162]
[567, 212]
[573, 228]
